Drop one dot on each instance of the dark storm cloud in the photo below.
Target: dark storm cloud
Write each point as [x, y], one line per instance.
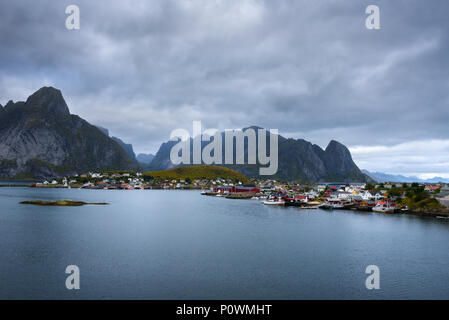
[309, 68]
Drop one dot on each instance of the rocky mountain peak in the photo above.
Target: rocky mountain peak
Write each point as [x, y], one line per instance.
[37, 144]
[9, 104]
[337, 148]
[50, 100]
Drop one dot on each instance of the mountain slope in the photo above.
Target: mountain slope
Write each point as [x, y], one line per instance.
[127, 147]
[40, 138]
[299, 160]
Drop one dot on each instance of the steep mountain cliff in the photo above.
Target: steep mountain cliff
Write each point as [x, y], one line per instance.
[40, 138]
[299, 160]
[127, 147]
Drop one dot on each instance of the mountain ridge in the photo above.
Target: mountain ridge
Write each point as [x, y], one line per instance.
[299, 160]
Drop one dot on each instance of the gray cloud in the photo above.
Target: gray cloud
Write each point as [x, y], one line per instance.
[309, 68]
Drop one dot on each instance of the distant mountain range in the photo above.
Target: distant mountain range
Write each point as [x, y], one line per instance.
[145, 158]
[385, 177]
[41, 139]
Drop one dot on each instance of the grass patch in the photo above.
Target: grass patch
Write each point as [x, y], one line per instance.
[198, 172]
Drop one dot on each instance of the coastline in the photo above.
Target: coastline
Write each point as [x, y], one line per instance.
[432, 214]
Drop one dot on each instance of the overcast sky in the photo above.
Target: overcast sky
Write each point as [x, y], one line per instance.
[308, 68]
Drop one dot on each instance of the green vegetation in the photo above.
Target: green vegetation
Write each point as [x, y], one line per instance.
[59, 203]
[190, 173]
[368, 186]
[416, 198]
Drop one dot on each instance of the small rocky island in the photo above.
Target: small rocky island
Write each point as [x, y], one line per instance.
[60, 203]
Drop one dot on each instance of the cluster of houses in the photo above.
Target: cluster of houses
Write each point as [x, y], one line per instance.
[131, 181]
[351, 192]
[97, 181]
[136, 181]
[346, 192]
[360, 192]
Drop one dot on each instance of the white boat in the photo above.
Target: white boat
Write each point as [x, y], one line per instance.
[274, 202]
[384, 208]
[333, 204]
[254, 198]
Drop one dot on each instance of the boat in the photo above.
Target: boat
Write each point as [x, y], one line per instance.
[384, 207]
[333, 204]
[274, 202]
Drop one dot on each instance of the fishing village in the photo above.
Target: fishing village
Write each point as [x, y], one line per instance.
[412, 198]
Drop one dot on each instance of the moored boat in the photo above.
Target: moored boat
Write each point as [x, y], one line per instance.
[335, 204]
[384, 207]
[274, 202]
[277, 201]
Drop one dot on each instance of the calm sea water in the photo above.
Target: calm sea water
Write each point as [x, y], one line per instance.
[152, 244]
